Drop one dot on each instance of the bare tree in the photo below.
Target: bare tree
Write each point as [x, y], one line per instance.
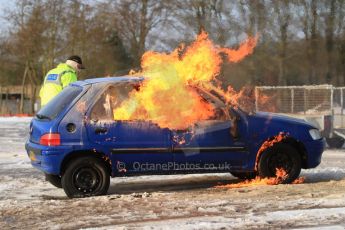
[282, 14]
[340, 41]
[329, 33]
[134, 20]
[55, 12]
[310, 19]
[28, 40]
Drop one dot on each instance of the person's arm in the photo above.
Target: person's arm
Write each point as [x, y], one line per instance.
[68, 78]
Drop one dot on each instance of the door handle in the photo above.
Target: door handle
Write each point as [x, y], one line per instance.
[101, 130]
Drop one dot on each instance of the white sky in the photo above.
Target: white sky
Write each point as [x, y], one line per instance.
[4, 4]
[7, 4]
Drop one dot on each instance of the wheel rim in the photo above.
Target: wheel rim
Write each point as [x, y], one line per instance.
[280, 161]
[87, 179]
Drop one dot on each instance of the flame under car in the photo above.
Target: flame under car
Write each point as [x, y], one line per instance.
[79, 143]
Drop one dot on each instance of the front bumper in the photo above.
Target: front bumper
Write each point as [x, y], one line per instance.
[46, 158]
[314, 149]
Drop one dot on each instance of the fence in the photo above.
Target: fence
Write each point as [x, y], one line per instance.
[11, 103]
[12, 107]
[295, 99]
[303, 101]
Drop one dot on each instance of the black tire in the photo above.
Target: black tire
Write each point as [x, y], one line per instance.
[86, 176]
[335, 142]
[54, 180]
[244, 175]
[282, 156]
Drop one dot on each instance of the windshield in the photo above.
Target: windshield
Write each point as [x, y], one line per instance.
[59, 103]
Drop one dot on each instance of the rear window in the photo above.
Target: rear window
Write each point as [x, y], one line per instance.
[59, 103]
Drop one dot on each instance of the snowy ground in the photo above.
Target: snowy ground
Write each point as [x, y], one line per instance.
[169, 202]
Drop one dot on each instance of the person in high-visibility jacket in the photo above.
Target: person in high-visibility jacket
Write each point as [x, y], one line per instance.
[60, 77]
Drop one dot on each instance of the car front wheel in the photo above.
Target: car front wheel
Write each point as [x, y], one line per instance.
[86, 176]
[280, 156]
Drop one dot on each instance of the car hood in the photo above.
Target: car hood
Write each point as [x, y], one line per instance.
[266, 125]
[275, 117]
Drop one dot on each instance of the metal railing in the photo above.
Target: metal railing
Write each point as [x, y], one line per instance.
[314, 99]
[303, 101]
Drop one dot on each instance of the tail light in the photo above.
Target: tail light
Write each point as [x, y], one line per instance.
[50, 139]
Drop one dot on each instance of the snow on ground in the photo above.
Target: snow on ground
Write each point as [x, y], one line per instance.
[166, 202]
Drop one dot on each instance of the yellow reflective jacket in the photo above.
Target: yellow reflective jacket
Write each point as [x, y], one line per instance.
[55, 81]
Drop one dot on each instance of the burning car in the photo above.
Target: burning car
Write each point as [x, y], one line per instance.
[84, 136]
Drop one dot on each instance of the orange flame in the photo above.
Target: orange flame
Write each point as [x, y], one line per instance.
[280, 176]
[266, 103]
[166, 96]
[244, 99]
[269, 143]
[246, 48]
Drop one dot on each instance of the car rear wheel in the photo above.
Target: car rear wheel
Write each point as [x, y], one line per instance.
[86, 176]
[54, 180]
[280, 156]
[244, 175]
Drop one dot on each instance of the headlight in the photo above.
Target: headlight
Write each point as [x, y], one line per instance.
[315, 134]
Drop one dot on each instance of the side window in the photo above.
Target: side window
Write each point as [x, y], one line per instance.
[110, 99]
[218, 107]
[101, 110]
[219, 114]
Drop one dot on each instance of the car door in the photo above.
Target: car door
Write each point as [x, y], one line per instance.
[211, 144]
[134, 145]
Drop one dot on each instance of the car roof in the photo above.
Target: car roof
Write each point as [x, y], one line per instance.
[114, 79]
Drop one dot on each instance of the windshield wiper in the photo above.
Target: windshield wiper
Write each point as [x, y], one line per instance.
[41, 117]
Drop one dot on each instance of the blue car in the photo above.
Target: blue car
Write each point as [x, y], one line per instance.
[78, 144]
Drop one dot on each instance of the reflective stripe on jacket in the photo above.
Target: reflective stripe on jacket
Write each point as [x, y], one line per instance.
[55, 81]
